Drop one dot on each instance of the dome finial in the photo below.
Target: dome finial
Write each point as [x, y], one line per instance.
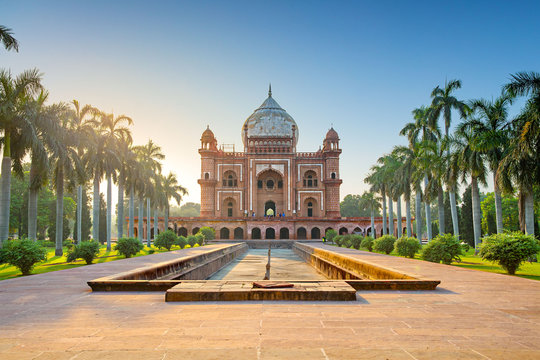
[270, 90]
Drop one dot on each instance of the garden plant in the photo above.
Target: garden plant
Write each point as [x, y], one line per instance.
[23, 254]
[509, 250]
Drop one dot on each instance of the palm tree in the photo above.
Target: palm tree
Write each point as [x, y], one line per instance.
[6, 38]
[370, 201]
[82, 120]
[424, 128]
[114, 131]
[65, 163]
[127, 159]
[13, 92]
[150, 156]
[404, 179]
[377, 180]
[492, 137]
[522, 164]
[133, 178]
[443, 103]
[389, 166]
[471, 162]
[171, 189]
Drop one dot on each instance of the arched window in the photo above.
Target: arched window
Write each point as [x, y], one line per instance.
[310, 209]
[229, 179]
[310, 179]
[333, 175]
[270, 184]
[206, 176]
[230, 209]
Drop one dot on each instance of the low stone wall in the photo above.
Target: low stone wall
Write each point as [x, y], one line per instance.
[164, 275]
[361, 275]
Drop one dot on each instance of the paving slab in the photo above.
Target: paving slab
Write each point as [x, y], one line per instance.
[471, 315]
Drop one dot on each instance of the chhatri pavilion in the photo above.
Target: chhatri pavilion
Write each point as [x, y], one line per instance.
[269, 190]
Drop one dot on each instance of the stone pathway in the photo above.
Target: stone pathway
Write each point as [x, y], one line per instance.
[471, 315]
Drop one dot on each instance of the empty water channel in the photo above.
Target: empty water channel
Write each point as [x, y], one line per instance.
[239, 271]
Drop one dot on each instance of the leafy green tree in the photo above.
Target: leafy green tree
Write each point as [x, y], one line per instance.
[370, 202]
[171, 189]
[189, 209]
[510, 213]
[350, 206]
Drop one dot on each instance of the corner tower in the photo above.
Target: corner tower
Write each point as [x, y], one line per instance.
[208, 180]
[332, 181]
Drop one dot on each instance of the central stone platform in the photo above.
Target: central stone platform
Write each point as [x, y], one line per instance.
[241, 290]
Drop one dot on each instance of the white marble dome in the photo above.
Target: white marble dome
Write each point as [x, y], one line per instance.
[270, 120]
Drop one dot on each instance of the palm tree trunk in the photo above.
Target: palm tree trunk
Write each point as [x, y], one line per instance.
[156, 223]
[476, 213]
[529, 210]
[428, 213]
[498, 205]
[95, 209]
[120, 218]
[148, 222]
[418, 218]
[408, 215]
[131, 212]
[109, 210]
[373, 232]
[140, 232]
[166, 222]
[32, 205]
[399, 222]
[5, 187]
[59, 210]
[390, 216]
[384, 228]
[453, 210]
[79, 213]
[440, 204]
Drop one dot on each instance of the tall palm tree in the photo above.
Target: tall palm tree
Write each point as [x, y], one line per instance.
[6, 38]
[133, 179]
[171, 189]
[471, 162]
[65, 163]
[13, 92]
[522, 164]
[492, 137]
[389, 166]
[404, 179]
[114, 132]
[370, 201]
[377, 180]
[82, 120]
[424, 128]
[443, 103]
[127, 159]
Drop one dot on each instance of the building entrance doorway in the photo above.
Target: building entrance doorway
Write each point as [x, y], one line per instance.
[270, 205]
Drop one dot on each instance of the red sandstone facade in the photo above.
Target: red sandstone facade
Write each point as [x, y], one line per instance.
[269, 190]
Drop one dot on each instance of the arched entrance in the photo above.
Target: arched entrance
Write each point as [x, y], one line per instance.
[301, 233]
[283, 233]
[326, 230]
[343, 231]
[182, 231]
[270, 233]
[238, 233]
[224, 233]
[256, 233]
[270, 205]
[315, 233]
[195, 230]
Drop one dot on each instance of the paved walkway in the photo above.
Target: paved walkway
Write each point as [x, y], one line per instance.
[472, 315]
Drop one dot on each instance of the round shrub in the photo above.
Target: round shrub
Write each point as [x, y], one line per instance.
[192, 240]
[338, 240]
[165, 240]
[87, 250]
[181, 242]
[208, 233]
[347, 241]
[200, 238]
[356, 241]
[407, 246]
[151, 251]
[443, 248]
[509, 250]
[384, 244]
[128, 246]
[23, 254]
[331, 234]
[367, 243]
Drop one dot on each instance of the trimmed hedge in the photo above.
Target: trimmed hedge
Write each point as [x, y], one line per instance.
[87, 250]
[443, 248]
[510, 250]
[165, 240]
[128, 246]
[384, 244]
[407, 246]
[367, 243]
[23, 254]
[331, 234]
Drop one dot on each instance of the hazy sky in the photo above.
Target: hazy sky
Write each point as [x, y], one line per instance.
[175, 67]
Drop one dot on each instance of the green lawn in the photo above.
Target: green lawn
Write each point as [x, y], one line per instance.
[54, 263]
[471, 261]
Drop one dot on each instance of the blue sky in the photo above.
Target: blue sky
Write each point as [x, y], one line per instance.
[175, 67]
